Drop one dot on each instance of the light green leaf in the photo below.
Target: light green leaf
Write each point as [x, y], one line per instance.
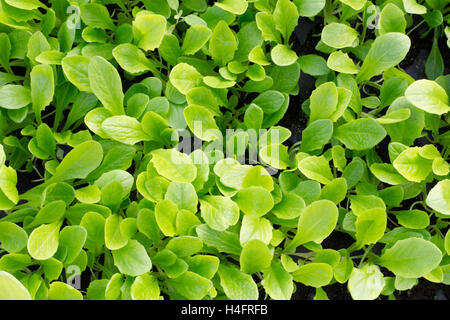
[314, 274]
[316, 168]
[11, 288]
[254, 201]
[370, 226]
[316, 222]
[338, 35]
[412, 166]
[79, 162]
[285, 16]
[222, 44]
[392, 19]
[366, 283]
[277, 282]
[184, 77]
[255, 229]
[195, 38]
[411, 6]
[132, 259]
[174, 165]
[42, 87]
[236, 284]
[439, 197]
[386, 51]
[106, 84]
[323, 101]
[149, 30]
[411, 258]
[255, 257]
[360, 134]
[428, 96]
[43, 241]
[124, 129]
[282, 55]
[341, 62]
[145, 287]
[355, 4]
[234, 6]
[309, 8]
[219, 212]
[12, 237]
[131, 58]
[76, 69]
[14, 96]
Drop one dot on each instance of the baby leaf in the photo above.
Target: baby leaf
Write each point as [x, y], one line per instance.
[428, 96]
[191, 285]
[42, 87]
[219, 212]
[12, 237]
[149, 30]
[201, 122]
[370, 226]
[290, 207]
[282, 55]
[124, 129]
[285, 16]
[338, 35]
[76, 69]
[411, 258]
[412, 166]
[131, 58]
[183, 195]
[413, 219]
[323, 101]
[278, 282]
[174, 165]
[386, 51]
[196, 37]
[316, 168]
[411, 6]
[165, 214]
[266, 24]
[106, 84]
[43, 241]
[234, 6]
[114, 239]
[14, 96]
[316, 222]
[355, 4]
[439, 197]
[392, 19]
[366, 283]
[237, 285]
[96, 15]
[71, 242]
[316, 135]
[309, 8]
[11, 288]
[341, 62]
[255, 257]
[132, 259]
[255, 229]
[79, 162]
[314, 274]
[222, 44]
[145, 287]
[184, 77]
[360, 134]
[254, 201]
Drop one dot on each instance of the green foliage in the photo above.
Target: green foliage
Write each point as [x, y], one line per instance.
[145, 144]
